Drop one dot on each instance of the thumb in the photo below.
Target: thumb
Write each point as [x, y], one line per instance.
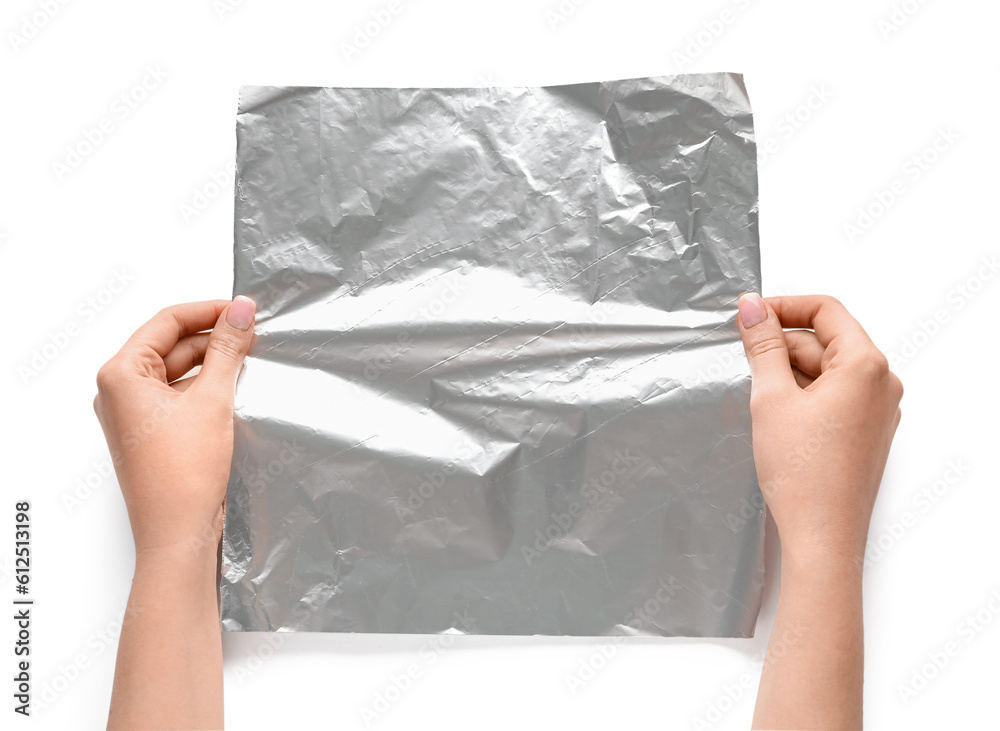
[764, 343]
[227, 347]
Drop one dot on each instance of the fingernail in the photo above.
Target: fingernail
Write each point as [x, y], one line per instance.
[241, 312]
[752, 310]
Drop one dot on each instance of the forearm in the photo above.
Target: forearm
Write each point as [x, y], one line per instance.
[169, 668]
[814, 669]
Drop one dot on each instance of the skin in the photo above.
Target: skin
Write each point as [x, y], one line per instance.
[171, 442]
[824, 407]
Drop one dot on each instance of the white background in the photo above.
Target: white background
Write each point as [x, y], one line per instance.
[883, 85]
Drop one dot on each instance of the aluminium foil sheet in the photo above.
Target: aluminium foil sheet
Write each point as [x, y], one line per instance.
[496, 386]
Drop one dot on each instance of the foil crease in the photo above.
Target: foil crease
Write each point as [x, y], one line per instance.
[496, 386]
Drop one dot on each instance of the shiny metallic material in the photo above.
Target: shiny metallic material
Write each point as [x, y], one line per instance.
[497, 385]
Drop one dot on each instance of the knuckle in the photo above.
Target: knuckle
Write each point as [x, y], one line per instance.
[897, 386]
[830, 301]
[880, 366]
[164, 313]
[108, 375]
[227, 346]
[873, 366]
[764, 346]
[169, 313]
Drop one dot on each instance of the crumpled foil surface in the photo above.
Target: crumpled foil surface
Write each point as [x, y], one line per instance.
[497, 385]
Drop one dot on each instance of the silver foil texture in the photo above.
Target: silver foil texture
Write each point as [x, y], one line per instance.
[496, 386]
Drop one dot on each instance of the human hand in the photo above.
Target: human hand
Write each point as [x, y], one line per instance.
[825, 408]
[171, 440]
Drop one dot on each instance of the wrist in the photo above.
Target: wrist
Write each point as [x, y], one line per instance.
[195, 557]
[836, 545]
[183, 540]
[821, 564]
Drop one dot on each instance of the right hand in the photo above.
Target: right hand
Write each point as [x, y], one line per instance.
[824, 407]
[171, 438]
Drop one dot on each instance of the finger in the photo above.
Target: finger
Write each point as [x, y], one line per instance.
[764, 343]
[804, 380]
[188, 353]
[228, 345]
[827, 316]
[171, 324]
[805, 351]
